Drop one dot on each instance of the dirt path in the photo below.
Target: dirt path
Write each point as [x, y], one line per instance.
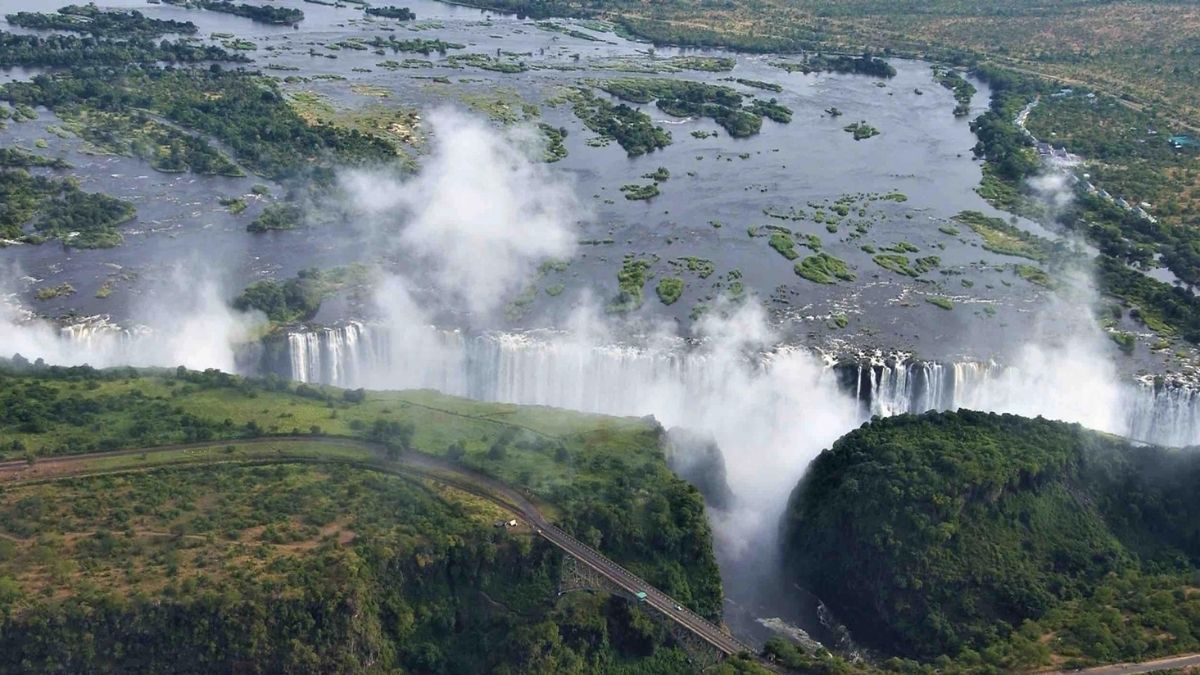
[1169, 663]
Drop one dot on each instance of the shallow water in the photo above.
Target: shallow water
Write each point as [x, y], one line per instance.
[923, 152]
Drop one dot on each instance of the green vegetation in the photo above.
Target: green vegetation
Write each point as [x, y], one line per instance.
[1001, 541]
[902, 247]
[390, 12]
[94, 21]
[415, 45]
[298, 299]
[51, 292]
[295, 555]
[14, 158]
[1124, 341]
[235, 205]
[630, 128]
[33, 208]
[282, 216]
[895, 262]
[166, 148]
[69, 51]
[556, 149]
[1033, 274]
[1165, 309]
[631, 280]
[702, 267]
[636, 192]
[860, 130]
[759, 84]
[772, 110]
[567, 30]
[487, 62]
[282, 16]
[861, 65]
[659, 175]
[246, 112]
[939, 301]
[823, 268]
[683, 98]
[671, 64]
[1130, 156]
[669, 289]
[784, 244]
[1000, 237]
[710, 64]
[955, 82]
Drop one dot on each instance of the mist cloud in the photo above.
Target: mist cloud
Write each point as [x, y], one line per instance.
[188, 323]
[479, 215]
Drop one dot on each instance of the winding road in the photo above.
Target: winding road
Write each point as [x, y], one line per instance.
[408, 463]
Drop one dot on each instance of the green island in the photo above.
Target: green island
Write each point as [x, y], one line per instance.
[865, 64]
[299, 298]
[860, 130]
[632, 129]
[417, 45]
[900, 264]
[631, 283]
[68, 51]
[759, 84]
[391, 12]
[282, 16]
[823, 268]
[955, 82]
[940, 302]
[635, 192]
[701, 267]
[37, 207]
[244, 111]
[277, 216]
[318, 550]
[972, 541]
[682, 98]
[1000, 237]
[555, 138]
[487, 62]
[92, 20]
[669, 289]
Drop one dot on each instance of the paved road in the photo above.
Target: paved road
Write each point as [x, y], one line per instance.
[462, 478]
[1171, 663]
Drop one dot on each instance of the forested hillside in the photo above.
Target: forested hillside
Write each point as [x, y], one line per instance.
[276, 566]
[1003, 540]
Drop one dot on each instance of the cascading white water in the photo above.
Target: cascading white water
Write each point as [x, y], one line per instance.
[554, 369]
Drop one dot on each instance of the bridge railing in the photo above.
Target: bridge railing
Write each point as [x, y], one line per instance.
[641, 585]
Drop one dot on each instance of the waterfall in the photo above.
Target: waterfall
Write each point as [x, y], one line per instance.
[549, 368]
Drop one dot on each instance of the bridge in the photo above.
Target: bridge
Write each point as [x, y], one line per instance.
[584, 568]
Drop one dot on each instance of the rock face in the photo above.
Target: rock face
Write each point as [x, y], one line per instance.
[697, 459]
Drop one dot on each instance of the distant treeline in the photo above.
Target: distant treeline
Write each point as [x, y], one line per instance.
[401, 13]
[262, 13]
[101, 23]
[64, 51]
